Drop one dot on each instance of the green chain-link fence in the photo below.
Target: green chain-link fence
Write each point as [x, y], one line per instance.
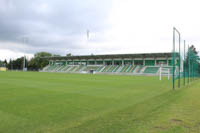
[186, 68]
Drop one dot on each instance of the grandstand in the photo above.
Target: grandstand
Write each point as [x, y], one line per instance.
[146, 64]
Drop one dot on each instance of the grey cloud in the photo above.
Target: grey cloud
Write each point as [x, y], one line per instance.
[51, 25]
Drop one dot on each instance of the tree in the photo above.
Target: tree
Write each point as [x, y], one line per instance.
[39, 61]
[1, 64]
[10, 65]
[68, 55]
[192, 64]
[5, 63]
[192, 48]
[18, 63]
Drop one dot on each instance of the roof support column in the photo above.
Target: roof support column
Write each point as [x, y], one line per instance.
[155, 62]
[167, 61]
[122, 62]
[133, 62]
[86, 62]
[95, 62]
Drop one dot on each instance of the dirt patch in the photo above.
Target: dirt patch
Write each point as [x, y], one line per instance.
[185, 126]
[160, 128]
[197, 125]
[180, 123]
[176, 120]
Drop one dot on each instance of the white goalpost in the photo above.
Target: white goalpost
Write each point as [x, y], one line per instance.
[164, 71]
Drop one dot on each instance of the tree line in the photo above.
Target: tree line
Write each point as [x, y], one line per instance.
[34, 64]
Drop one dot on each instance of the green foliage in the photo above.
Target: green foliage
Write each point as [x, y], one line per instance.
[192, 65]
[68, 55]
[34, 102]
[3, 63]
[16, 64]
[38, 62]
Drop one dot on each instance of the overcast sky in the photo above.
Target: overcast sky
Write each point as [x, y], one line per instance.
[116, 26]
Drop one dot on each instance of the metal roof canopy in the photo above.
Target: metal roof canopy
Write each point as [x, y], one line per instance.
[112, 56]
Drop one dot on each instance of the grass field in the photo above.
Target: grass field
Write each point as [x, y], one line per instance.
[32, 102]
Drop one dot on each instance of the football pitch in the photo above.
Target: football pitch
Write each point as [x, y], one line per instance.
[33, 102]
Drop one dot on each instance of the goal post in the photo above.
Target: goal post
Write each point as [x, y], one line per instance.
[164, 71]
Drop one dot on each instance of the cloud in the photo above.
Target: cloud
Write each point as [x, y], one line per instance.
[50, 25]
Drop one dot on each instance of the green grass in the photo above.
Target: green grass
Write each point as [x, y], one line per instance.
[32, 102]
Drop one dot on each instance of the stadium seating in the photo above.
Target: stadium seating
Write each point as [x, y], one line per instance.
[125, 68]
[60, 68]
[106, 68]
[46, 68]
[79, 68]
[111, 69]
[131, 69]
[134, 69]
[51, 68]
[73, 68]
[65, 68]
[69, 69]
[139, 68]
[170, 69]
[99, 68]
[153, 70]
[91, 68]
[116, 68]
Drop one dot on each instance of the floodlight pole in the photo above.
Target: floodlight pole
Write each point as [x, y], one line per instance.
[24, 55]
[179, 79]
[173, 76]
[184, 63]
[174, 56]
[188, 64]
[24, 62]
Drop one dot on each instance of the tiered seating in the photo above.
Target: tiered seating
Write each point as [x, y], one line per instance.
[91, 68]
[72, 69]
[59, 68]
[66, 68]
[139, 69]
[125, 68]
[153, 70]
[131, 69]
[99, 69]
[106, 68]
[116, 68]
[46, 68]
[111, 69]
[51, 68]
[79, 68]
[170, 69]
